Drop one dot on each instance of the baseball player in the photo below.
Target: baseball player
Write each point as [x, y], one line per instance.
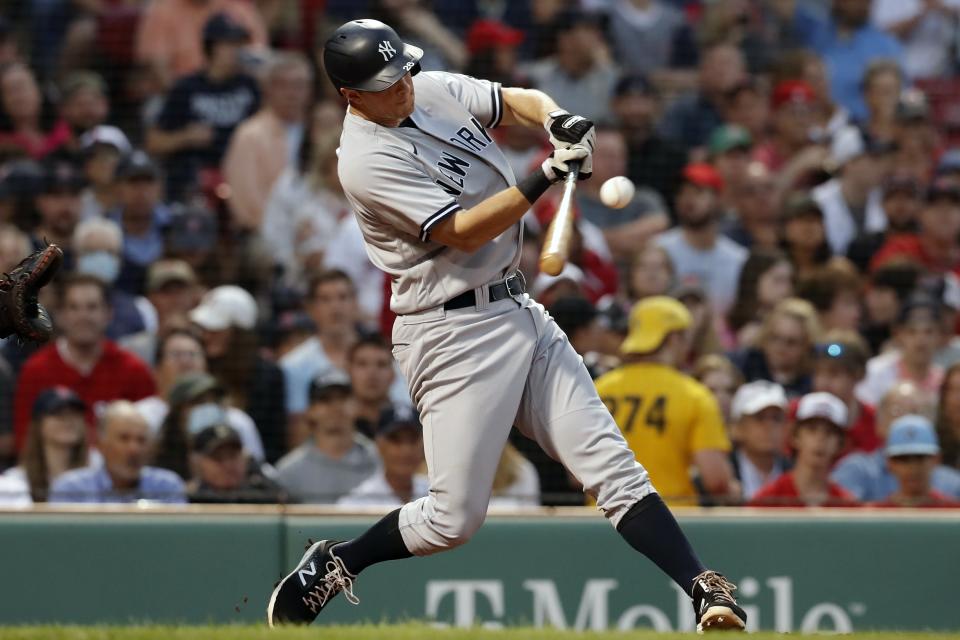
[439, 209]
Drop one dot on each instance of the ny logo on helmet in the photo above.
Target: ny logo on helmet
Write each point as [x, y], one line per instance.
[387, 50]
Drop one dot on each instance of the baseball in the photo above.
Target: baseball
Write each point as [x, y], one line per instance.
[617, 192]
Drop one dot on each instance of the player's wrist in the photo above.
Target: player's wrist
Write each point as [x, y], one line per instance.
[534, 185]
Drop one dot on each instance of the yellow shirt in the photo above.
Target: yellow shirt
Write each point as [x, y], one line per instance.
[666, 417]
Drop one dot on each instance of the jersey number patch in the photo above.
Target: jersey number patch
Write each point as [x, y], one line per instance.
[654, 413]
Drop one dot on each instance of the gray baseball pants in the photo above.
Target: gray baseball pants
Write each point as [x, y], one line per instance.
[475, 372]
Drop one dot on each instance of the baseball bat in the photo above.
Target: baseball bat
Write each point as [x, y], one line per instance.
[557, 245]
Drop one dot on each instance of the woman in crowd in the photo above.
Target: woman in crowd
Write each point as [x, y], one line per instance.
[703, 337]
[56, 442]
[835, 291]
[516, 482]
[804, 237]
[651, 273]
[227, 316]
[948, 417]
[765, 280]
[785, 347]
[717, 373]
[28, 124]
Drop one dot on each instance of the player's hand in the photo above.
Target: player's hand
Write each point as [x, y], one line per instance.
[566, 129]
[555, 167]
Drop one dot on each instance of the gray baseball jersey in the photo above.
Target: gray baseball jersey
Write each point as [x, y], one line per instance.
[404, 180]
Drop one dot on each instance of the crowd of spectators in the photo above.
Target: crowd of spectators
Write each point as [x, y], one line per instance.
[222, 336]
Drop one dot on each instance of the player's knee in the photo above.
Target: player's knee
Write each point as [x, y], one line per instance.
[459, 525]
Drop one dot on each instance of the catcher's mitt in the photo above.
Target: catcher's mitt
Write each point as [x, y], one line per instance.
[20, 312]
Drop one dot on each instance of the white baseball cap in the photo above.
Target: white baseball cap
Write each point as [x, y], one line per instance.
[225, 307]
[753, 397]
[822, 405]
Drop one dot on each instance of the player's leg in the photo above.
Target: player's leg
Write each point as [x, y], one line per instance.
[561, 410]
[467, 372]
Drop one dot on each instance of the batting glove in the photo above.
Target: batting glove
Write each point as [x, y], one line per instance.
[566, 129]
[555, 166]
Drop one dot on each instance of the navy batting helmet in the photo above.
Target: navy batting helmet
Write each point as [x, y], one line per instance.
[368, 55]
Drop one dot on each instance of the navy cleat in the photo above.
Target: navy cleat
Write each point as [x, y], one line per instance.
[315, 581]
[714, 606]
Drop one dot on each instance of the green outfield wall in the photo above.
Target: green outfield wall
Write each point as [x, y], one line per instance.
[796, 573]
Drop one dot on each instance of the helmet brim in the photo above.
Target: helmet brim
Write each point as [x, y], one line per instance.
[396, 68]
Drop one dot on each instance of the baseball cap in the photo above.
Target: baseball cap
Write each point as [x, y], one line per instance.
[651, 320]
[792, 92]
[912, 435]
[821, 404]
[137, 165]
[221, 27]
[727, 138]
[396, 419]
[632, 83]
[849, 354]
[80, 81]
[164, 272]
[949, 161]
[107, 136]
[753, 397]
[22, 178]
[703, 175]
[60, 177]
[572, 313]
[211, 438]
[191, 386]
[919, 306]
[544, 281]
[487, 34]
[192, 229]
[224, 307]
[913, 107]
[800, 204]
[56, 399]
[328, 384]
[943, 189]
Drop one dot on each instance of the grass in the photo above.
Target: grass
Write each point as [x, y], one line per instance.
[375, 632]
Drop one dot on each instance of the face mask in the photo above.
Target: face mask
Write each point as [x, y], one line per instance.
[100, 264]
[205, 415]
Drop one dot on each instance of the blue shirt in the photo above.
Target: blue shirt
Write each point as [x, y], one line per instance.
[93, 485]
[866, 476]
[847, 57]
[148, 248]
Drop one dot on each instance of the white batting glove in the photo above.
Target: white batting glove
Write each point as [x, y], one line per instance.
[555, 167]
[566, 129]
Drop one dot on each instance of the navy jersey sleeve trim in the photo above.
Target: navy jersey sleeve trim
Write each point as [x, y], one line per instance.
[435, 218]
[496, 97]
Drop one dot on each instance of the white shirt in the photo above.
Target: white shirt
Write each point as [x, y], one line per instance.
[155, 409]
[926, 48]
[525, 490]
[838, 222]
[375, 492]
[348, 253]
[14, 489]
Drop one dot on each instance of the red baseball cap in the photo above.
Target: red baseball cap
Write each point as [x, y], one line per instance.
[703, 175]
[793, 91]
[486, 34]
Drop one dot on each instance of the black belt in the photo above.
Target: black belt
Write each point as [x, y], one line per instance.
[512, 286]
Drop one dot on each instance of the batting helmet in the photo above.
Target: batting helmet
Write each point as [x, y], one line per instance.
[368, 55]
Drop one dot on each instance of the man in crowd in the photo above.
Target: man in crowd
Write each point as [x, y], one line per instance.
[370, 367]
[913, 454]
[202, 110]
[696, 247]
[124, 475]
[670, 421]
[818, 433]
[142, 216]
[759, 412]
[82, 358]
[58, 204]
[839, 364]
[335, 459]
[755, 202]
[627, 228]
[224, 473]
[579, 75]
[867, 476]
[268, 142]
[852, 202]
[652, 160]
[98, 243]
[399, 441]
